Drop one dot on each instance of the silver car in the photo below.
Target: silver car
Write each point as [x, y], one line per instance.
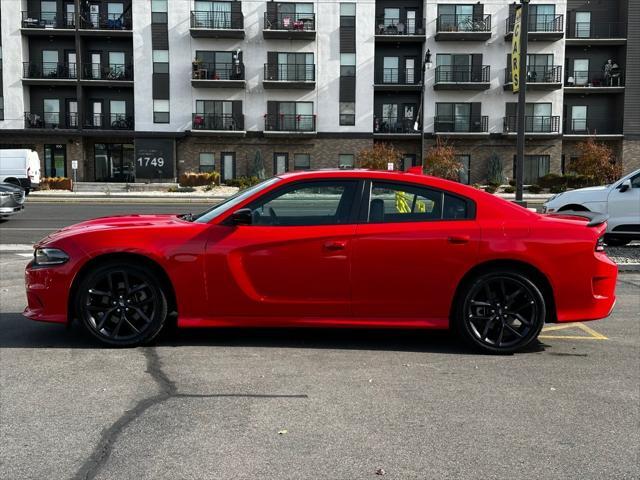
[11, 199]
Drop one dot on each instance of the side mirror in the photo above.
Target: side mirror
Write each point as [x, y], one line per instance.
[244, 216]
[624, 186]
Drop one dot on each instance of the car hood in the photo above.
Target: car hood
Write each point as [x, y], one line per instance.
[7, 187]
[581, 195]
[116, 222]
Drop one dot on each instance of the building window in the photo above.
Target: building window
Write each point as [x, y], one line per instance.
[408, 161]
[347, 113]
[465, 172]
[160, 61]
[159, 11]
[347, 9]
[301, 161]
[1, 108]
[346, 160]
[535, 166]
[55, 160]
[347, 64]
[161, 111]
[207, 162]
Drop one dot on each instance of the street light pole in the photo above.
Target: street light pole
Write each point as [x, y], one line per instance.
[520, 120]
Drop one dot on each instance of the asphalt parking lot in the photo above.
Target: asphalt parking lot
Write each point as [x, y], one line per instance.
[298, 404]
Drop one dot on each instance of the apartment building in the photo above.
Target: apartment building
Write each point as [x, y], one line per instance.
[139, 90]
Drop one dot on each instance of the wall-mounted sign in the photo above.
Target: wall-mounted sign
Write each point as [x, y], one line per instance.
[154, 158]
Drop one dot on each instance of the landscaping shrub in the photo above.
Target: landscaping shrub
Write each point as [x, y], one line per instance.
[509, 189]
[191, 179]
[596, 160]
[495, 174]
[56, 183]
[441, 161]
[551, 180]
[378, 157]
[242, 182]
[490, 189]
[534, 188]
[181, 189]
[558, 189]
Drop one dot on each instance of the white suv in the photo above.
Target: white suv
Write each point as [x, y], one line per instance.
[620, 200]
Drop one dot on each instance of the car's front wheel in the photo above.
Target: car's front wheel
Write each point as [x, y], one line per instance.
[121, 305]
[500, 312]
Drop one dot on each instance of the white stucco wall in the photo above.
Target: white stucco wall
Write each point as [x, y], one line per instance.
[14, 52]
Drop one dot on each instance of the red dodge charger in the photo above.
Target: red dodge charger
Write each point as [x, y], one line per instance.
[330, 248]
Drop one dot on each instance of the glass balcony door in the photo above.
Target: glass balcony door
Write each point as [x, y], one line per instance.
[116, 65]
[578, 119]
[49, 63]
[390, 69]
[213, 14]
[48, 12]
[51, 112]
[581, 71]
[538, 117]
[583, 25]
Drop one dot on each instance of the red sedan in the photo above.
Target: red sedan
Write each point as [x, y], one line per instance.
[330, 248]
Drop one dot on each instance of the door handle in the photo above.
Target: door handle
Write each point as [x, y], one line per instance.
[459, 239]
[336, 245]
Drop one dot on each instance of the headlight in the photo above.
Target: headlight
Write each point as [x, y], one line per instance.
[49, 256]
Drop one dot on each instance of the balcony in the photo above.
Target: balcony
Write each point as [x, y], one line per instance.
[398, 79]
[115, 121]
[51, 120]
[600, 33]
[541, 27]
[463, 125]
[218, 123]
[289, 75]
[454, 77]
[48, 24]
[463, 27]
[217, 75]
[533, 125]
[540, 77]
[390, 29]
[583, 82]
[205, 24]
[394, 127]
[107, 25]
[48, 73]
[588, 127]
[98, 74]
[289, 124]
[290, 26]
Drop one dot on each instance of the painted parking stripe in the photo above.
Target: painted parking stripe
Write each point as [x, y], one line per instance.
[16, 247]
[591, 334]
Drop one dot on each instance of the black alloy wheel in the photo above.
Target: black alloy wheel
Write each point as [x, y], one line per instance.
[121, 305]
[502, 312]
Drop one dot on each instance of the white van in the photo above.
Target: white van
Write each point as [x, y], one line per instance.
[20, 167]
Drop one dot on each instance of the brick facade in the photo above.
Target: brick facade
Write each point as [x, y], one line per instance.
[630, 155]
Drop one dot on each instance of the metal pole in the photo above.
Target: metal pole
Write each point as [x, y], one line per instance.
[524, 31]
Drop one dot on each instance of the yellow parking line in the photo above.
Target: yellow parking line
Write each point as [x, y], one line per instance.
[592, 334]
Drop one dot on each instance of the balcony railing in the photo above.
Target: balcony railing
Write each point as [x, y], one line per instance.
[114, 71]
[290, 72]
[290, 123]
[217, 71]
[539, 74]
[50, 120]
[49, 70]
[396, 26]
[217, 121]
[593, 30]
[217, 20]
[391, 124]
[49, 20]
[592, 126]
[114, 121]
[106, 21]
[463, 74]
[461, 124]
[595, 78]
[290, 21]
[398, 76]
[550, 23]
[533, 124]
[463, 23]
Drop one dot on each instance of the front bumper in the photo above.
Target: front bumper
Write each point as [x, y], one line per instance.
[47, 293]
[4, 210]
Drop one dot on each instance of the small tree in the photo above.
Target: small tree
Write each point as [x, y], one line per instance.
[378, 157]
[441, 161]
[596, 160]
[495, 170]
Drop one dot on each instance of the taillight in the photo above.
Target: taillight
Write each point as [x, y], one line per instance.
[600, 244]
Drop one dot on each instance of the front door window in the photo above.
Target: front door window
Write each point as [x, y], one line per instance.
[114, 162]
[228, 166]
[55, 160]
[280, 163]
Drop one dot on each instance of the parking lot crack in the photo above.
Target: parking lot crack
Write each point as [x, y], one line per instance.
[100, 454]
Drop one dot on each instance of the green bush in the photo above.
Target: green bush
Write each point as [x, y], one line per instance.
[182, 189]
[512, 183]
[581, 181]
[509, 189]
[558, 189]
[552, 180]
[534, 188]
[490, 189]
[495, 175]
[242, 182]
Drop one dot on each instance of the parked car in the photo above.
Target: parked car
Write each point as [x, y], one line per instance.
[343, 248]
[20, 167]
[620, 200]
[11, 199]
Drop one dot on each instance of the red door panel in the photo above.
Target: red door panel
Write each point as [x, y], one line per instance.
[402, 270]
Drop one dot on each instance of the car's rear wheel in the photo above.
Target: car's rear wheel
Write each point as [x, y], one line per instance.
[614, 241]
[500, 312]
[121, 305]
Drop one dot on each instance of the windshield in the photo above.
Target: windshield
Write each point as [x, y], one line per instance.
[229, 203]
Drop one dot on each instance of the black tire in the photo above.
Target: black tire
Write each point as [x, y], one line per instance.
[613, 241]
[500, 312]
[121, 305]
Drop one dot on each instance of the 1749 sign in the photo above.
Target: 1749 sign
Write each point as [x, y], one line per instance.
[154, 158]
